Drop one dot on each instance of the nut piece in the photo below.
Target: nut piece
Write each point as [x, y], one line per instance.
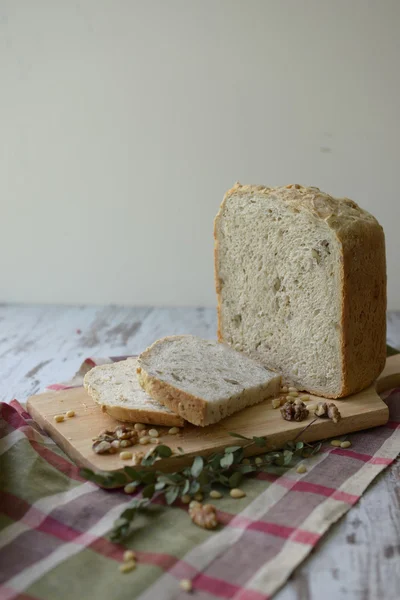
[336, 443]
[125, 433]
[125, 455]
[59, 418]
[153, 433]
[312, 407]
[346, 444]
[185, 499]
[70, 413]
[173, 430]
[125, 443]
[304, 397]
[129, 555]
[301, 469]
[284, 389]
[154, 440]
[294, 412]
[186, 585]
[293, 394]
[237, 493]
[276, 402]
[215, 494]
[321, 410]
[139, 426]
[258, 461]
[102, 447]
[130, 488]
[144, 440]
[198, 497]
[293, 389]
[333, 413]
[203, 515]
[127, 566]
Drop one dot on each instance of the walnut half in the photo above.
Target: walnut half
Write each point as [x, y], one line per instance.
[203, 515]
[294, 411]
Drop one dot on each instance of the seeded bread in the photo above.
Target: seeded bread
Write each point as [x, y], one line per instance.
[203, 381]
[116, 388]
[301, 286]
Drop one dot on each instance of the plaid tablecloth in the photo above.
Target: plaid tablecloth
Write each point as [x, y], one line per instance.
[54, 525]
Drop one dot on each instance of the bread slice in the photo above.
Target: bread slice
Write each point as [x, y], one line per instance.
[203, 381]
[116, 388]
[301, 285]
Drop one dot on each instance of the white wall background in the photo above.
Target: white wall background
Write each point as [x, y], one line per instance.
[123, 122]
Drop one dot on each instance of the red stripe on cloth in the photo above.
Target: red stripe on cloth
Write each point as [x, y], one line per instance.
[392, 425]
[20, 410]
[56, 387]
[298, 535]
[89, 361]
[375, 460]
[223, 589]
[6, 593]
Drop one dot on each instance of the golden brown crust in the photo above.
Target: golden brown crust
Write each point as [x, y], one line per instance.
[363, 345]
[189, 407]
[144, 416]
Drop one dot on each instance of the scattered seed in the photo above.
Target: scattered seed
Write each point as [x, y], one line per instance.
[153, 433]
[129, 555]
[194, 503]
[298, 401]
[304, 397]
[59, 418]
[125, 443]
[245, 461]
[258, 461]
[312, 407]
[186, 499]
[289, 398]
[139, 426]
[125, 455]
[345, 444]
[215, 494]
[115, 444]
[127, 567]
[186, 585]
[301, 469]
[237, 493]
[70, 413]
[144, 440]
[336, 443]
[284, 389]
[142, 433]
[293, 389]
[276, 402]
[293, 394]
[174, 430]
[130, 488]
[154, 441]
[198, 497]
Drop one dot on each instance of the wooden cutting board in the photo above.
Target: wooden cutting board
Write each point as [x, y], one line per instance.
[74, 435]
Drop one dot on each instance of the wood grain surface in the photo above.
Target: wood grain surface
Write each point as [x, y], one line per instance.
[357, 560]
[75, 435]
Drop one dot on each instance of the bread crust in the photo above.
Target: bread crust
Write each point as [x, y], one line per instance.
[363, 277]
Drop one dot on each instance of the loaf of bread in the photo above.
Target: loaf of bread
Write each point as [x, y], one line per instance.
[116, 388]
[301, 286]
[203, 381]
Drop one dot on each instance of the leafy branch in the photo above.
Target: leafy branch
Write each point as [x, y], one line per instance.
[226, 468]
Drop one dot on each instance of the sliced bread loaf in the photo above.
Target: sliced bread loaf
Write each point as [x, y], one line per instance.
[203, 381]
[301, 285]
[116, 388]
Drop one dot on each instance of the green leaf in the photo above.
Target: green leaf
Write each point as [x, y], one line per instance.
[223, 479]
[133, 474]
[149, 477]
[214, 461]
[104, 480]
[226, 461]
[232, 449]
[260, 441]
[299, 445]
[160, 485]
[119, 477]
[171, 494]
[163, 451]
[235, 479]
[290, 445]
[186, 487]
[149, 490]
[246, 468]
[197, 466]
[87, 474]
[203, 478]
[239, 435]
[279, 460]
[287, 457]
[128, 514]
[194, 487]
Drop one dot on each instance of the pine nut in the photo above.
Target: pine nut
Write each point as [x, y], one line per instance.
[293, 389]
[153, 433]
[293, 394]
[336, 443]
[186, 585]
[129, 555]
[194, 503]
[237, 493]
[312, 407]
[173, 430]
[245, 461]
[154, 440]
[198, 497]
[59, 418]
[284, 389]
[304, 397]
[70, 413]
[258, 461]
[127, 567]
[301, 469]
[144, 440]
[186, 499]
[276, 402]
[345, 444]
[215, 494]
[139, 426]
[125, 455]
[130, 488]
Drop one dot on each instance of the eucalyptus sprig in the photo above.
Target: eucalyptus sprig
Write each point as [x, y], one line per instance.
[225, 468]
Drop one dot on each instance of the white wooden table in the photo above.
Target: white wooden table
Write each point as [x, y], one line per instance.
[358, 560]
